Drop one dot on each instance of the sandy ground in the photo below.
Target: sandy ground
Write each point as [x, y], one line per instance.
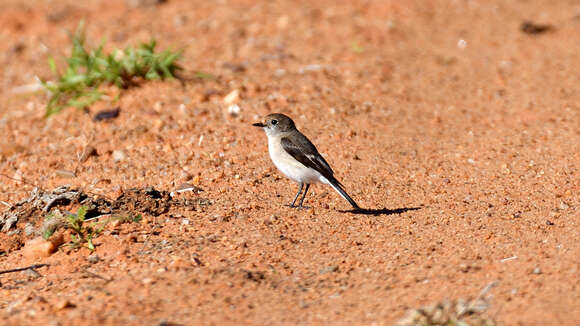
[460, 131]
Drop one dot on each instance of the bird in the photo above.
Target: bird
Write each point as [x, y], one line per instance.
[297, 158]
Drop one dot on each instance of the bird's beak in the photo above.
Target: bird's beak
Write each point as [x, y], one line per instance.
[259, 124]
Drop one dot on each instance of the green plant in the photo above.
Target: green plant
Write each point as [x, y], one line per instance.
[81, 232]
[87, 70]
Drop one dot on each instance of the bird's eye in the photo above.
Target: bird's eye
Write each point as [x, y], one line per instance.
[274, 122]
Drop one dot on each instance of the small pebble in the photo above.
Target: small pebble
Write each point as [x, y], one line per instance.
[93, 259]
[31, 273]
[119, 156]
[88, 152]
[63, 304]
[232, 97]
[279, 72]
[38, 247]
[329, 269]
[144, 3]
[65, 174]
[107, 114]
[310, 68]
[234, 110]
[529, 27]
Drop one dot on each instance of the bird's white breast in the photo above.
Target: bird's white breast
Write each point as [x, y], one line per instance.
[289, 165]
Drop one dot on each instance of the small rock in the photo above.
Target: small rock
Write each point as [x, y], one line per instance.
[564, 206]
[234, 67]
[234, 110]
[279, 72]
[167, 323]
[310, 68]
[548, 222]
[115, 223]
[329, 269]
[107, 114]
[144, 3]
[65, 174]
[555, 215]
[158, 125]
[446, 60]
[119, 156]
[93, 259]
[529, 27]
[88, 152]
[537, 271]
[31, 273]
[63, 304]
[232, 97]
[282, 22]
[38, 247]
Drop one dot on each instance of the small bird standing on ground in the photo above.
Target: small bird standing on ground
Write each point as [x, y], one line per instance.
[297, 158]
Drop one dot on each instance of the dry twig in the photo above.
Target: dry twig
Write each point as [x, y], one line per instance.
[14, 270]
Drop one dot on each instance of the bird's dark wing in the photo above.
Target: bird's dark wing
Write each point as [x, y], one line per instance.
[304, 152]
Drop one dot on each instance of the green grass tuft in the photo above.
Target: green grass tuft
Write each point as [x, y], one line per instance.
[82, 233]
[88, 69]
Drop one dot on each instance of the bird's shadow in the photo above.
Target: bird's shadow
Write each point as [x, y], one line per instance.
[380, 211]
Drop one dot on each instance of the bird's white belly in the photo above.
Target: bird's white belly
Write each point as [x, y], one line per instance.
[290, 166]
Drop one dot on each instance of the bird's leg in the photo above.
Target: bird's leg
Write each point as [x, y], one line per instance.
[304, 196]
[298, 194]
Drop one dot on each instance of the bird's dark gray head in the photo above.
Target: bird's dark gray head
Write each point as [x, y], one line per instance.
[276, 123]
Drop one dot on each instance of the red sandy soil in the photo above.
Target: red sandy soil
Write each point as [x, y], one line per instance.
[444, 106]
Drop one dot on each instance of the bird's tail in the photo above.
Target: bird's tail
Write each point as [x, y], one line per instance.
[338, 187]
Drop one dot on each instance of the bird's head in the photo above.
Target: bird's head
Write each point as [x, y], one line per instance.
[276, 123]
